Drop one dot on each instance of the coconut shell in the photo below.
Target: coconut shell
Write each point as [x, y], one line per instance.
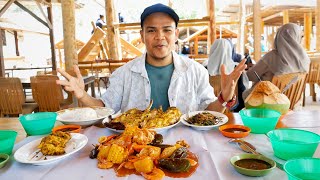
[267, 96]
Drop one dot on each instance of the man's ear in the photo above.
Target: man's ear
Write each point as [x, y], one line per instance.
[177, 34]
[142, 35]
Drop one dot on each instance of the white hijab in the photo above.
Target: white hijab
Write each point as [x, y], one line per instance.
[220, 53]
[288, 56]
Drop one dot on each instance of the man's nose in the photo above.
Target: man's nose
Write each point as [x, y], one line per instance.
[159, 35]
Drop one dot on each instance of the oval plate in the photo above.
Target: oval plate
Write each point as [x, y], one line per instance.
[184, 118]
[27, 153]
[158, 130]
[67, 116]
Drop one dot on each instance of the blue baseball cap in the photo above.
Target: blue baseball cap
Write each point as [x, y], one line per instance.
[159, 8]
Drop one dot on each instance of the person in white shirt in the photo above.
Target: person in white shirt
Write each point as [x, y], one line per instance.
[160, 74]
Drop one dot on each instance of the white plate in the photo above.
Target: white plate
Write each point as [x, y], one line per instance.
[27, 153]
[158, 130]
[184, 117]
[73, 115]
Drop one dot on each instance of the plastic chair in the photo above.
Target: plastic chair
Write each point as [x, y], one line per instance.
[47, 93]
[294, 93]
[12, 99]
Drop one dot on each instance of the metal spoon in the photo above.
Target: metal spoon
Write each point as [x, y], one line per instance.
[249, 148]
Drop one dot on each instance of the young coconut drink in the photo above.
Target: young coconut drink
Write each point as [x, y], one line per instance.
[266, 95]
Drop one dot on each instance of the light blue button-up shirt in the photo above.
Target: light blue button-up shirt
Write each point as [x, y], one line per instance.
[189, 88]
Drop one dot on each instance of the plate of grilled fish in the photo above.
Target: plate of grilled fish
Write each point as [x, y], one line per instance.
[84, 116]
[204, 120]
[155, 119]
[51, 148]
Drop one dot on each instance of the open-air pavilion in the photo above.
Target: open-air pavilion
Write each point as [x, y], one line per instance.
[136, 153]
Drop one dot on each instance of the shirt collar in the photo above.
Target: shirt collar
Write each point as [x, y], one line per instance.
[180, 64]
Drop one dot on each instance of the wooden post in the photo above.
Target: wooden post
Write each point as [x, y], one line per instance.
[242, 21]
[2, 70]
[212, 22]
[285, 16]
[307, 30]
[68, 19]
[318, 26]
[257, 29]
[52, 47]
[196, 44]
[16, 42]
[111, 31]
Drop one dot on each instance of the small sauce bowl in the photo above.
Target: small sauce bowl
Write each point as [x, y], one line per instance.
[4, 158]
[251, 166]
[71, 128]
[234, 131]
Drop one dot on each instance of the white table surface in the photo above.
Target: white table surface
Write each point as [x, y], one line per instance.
[213, 149]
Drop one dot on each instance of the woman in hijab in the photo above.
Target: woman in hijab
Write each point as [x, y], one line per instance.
[288, 56]
[221, 53]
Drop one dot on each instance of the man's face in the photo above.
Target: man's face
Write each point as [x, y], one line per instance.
[159, 34]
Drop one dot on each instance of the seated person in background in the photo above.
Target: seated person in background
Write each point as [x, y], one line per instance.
[288, 56]
[100, 22]
[221, 54]
[160, 74]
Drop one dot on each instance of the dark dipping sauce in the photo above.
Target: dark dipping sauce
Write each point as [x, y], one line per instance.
[235, 130]
[2, 159]
[123, 171]
[255, 164]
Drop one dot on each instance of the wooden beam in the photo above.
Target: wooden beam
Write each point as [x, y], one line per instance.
[195, 34]
[182, 23]
[5, 7]
[307, 30]
[68, 20]
[2, 70]
[285, 16]
[257, 29]
[170, 4]
[272, 16]
[131, 48]
[44, 15]
[16, 42]
[31, 13]
[90, 45]
[318, 26]
[53, 51]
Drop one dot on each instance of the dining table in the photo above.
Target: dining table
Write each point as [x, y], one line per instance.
[211, 147]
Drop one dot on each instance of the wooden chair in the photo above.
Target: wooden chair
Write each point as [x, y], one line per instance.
[313, 76]
[12, 99]
[47, 93]
[294, 93]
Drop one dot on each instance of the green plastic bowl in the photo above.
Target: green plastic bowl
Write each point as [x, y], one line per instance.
[7, 139]
[252, 172]
[38, 123]
[260, 121]
[293, 143]
[304, 168]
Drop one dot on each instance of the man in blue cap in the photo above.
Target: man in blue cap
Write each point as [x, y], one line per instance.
[160, 74]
